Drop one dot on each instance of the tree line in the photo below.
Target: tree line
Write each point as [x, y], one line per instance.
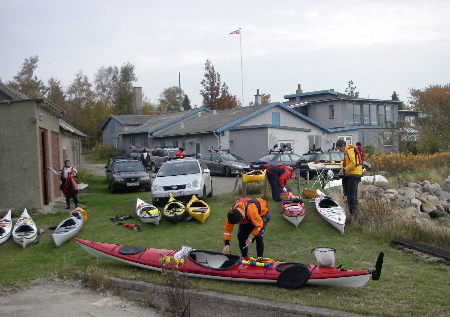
[88, 104]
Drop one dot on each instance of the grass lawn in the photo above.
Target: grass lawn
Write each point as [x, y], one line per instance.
[408, 285]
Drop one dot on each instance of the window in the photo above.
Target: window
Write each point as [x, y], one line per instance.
[275, 118]
[175, 143]
[331, 111]
[112, 127]
[385, 114]
[144, 139]
[354, 113]
[162, 144]
[346, 138]
[373, 114]
[366, 114]
[286, 145]
[386, 138]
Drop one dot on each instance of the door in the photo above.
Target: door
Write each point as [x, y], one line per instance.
[43, 150]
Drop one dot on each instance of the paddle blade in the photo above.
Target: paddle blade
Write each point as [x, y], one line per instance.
[378, 266]
[310, 193]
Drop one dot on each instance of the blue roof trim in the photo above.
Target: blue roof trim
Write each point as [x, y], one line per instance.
[275, 104]
[179, 119]
[312, 93]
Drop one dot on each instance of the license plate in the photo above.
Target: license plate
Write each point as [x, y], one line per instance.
[176, 194]
[133, 184]
[256, 166]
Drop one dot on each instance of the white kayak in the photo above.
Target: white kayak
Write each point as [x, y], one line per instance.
[69, 227]
[5, 227]
[25, 230]
[147, 212]
[330, 210]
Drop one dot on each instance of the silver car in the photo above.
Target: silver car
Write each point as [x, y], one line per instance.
[225, 163]
[182, 178]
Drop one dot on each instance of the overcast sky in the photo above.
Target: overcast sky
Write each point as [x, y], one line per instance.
[383, 46]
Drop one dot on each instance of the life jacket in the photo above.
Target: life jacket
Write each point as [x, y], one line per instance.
[246, 201]
[357, 157]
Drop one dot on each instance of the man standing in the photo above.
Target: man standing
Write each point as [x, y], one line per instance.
[252, 215]
[352, 170]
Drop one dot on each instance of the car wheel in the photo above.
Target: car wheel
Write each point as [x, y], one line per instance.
[153, 168]
[147, 189]
[203, 193]
[226, 171]
[211, 192]
[112, 189]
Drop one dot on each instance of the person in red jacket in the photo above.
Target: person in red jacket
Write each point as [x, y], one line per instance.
[360, 149]
[179, 154]
[278, 175]
[68, 185]
[252, 215]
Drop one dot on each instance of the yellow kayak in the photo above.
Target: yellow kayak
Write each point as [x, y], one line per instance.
[175, 211]
[253, 176]
[198, 209]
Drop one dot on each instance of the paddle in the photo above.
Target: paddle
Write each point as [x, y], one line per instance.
[311, 194]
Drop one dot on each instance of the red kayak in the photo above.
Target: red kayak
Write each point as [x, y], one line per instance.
[216, 265]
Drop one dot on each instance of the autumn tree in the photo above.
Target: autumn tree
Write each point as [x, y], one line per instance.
[123, 98]
[26, 82]
[171, 98]
[215, 95]
[80, 98]
[350, 90]
[106, 83]
[434, 104]
[55, 92]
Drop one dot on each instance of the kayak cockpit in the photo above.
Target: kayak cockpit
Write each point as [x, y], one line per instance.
[214, 260]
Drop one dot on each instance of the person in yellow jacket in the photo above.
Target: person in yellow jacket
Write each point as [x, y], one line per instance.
[352, 171]
[252, 215]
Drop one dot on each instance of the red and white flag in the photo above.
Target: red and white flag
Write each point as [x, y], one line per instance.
[236, 32]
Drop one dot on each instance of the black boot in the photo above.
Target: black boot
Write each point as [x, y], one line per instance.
[75, 200]
[68, 202]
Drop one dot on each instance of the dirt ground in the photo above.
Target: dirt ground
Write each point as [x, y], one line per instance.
[68, 299]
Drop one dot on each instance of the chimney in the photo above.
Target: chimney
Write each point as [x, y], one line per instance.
[258, 98]
[137, 100]
[299, 90]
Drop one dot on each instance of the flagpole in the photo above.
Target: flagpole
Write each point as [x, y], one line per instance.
[242, 72]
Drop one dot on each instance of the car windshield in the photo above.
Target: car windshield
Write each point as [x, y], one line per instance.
[124, 167]
[268, 157]
[230, 157]
[172, 152]
[307, 157]
[179, 167]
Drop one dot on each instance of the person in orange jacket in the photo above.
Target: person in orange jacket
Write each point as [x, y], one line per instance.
[252, 215]
[278, 175]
